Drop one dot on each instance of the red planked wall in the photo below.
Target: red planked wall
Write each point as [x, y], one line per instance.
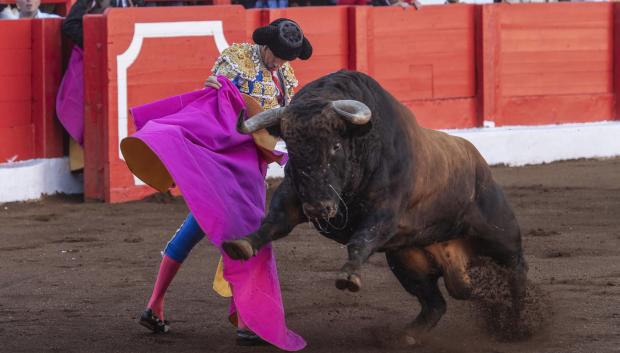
[327, 31]
[16, 126]
[30, 65]
[426, 59]
[454, 66]
[165, 66]
[555, 63]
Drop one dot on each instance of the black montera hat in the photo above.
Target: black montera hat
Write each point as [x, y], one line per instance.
[285, 39]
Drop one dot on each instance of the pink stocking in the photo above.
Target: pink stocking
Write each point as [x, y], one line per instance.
[167, 270]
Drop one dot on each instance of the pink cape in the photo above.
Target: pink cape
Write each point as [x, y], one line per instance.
[70, 98]
[221, 176]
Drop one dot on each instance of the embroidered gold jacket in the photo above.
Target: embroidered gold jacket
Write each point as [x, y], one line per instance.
[242, 65]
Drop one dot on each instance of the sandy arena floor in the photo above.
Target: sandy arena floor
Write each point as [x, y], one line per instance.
[75, 276]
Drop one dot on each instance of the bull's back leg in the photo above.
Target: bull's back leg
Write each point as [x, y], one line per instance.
[453, 258]
[495, 233]
[418, 274]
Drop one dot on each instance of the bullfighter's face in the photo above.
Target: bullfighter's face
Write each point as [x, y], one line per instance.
[271, 61]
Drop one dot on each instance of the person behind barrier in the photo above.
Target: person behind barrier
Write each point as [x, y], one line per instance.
[25, 9]
[352, 2]
[70, 97]
[316, 3]
[270, 4]
[402, 3]
[248, 4]
[8, 13]
[30, 9]
[262, 71]
[72, 26]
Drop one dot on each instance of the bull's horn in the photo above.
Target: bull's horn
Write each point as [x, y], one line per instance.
[354, 111]
[259, 121]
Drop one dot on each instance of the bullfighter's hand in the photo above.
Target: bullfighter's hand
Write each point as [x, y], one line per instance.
[213, 82]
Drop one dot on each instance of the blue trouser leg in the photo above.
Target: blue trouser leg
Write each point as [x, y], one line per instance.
[184, 240]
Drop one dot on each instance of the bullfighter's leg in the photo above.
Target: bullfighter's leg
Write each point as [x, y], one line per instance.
[418, 274]
[176, 251]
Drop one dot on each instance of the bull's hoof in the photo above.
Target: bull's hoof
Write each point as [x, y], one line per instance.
[410, 341]
[457, 283]
[352, 282]
[391, 337]
[240, 249]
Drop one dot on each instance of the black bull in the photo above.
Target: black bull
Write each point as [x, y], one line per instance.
[367, 175]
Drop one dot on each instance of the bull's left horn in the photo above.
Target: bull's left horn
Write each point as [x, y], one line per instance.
[259, 121]
[354, 111]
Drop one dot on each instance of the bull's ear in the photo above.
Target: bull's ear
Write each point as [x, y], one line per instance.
[354, 130]
[275, 131]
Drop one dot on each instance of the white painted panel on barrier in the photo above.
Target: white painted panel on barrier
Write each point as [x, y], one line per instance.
[510, 145]
[29, 180]
[523, 145]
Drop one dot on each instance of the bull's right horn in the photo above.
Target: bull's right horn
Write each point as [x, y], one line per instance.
[259, 121]
[354, 111]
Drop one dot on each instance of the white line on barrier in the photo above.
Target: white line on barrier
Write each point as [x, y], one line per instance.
[156, 30]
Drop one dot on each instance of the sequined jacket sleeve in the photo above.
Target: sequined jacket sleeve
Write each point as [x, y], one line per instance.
[225, 68]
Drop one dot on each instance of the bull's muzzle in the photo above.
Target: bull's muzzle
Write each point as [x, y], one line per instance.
[322, 209]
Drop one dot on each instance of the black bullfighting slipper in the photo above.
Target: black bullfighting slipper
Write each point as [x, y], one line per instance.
[248, 338]
[153, 323]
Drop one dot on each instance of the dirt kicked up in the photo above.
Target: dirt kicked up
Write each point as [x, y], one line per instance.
[75, 276]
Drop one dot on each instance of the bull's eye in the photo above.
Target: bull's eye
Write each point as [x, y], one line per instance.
[336, 147]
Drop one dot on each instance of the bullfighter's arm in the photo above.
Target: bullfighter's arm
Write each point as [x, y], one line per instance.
[284, 214]
[224, 68]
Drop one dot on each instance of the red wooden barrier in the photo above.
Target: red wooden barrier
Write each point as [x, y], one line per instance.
[30, 74]
[254, 18]
[46, 77]
[553, 63]
[328, 31]
[425, 58]
[455, 66]
[96, 107]
[16, 91]
[145, 54]
[616, 56]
